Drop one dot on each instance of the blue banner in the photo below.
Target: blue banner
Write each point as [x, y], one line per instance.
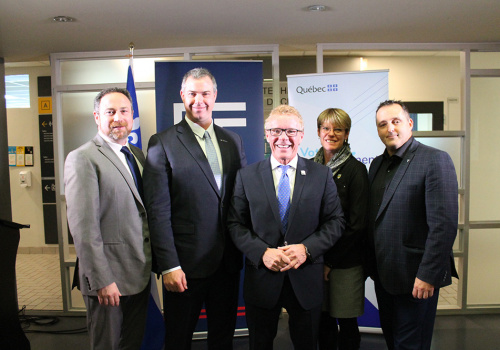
[239, 108]
[239, 105]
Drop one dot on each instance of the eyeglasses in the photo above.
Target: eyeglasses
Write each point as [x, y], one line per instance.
[288, 132]
[336, 131]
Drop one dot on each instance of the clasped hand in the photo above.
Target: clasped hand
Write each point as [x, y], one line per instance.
[284, 258]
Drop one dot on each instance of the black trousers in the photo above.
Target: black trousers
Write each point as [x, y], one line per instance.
[219, 293]
[303, 324]
[407, 323]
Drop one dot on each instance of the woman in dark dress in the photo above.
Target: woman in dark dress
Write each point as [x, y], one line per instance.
[343, 270]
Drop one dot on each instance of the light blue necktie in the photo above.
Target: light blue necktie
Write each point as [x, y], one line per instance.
[212, 158]
[284, 196]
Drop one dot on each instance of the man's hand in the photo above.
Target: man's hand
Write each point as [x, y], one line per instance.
[175, 281]
[275, 259]
[326, 272]
[422, 290]
[109, 295]
[297, 255]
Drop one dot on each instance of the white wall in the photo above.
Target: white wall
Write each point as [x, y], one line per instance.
[410, 79]
[424, 79]
[22, 130]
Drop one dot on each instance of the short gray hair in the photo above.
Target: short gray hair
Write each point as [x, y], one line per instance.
[198, 73]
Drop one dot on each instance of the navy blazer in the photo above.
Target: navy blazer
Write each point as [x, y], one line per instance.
[315, 219]
[187, 212]
[416, 224]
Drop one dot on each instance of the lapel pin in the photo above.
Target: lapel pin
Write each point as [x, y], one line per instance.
[302, 172]
[339, 176]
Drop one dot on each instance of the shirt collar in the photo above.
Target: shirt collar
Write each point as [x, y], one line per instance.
[114, 146]
[400, 152]
[200, 131]
[292, 163]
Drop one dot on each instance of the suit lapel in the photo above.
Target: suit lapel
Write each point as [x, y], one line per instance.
[104, 148]
[398, 177]
[187, 137]
[374, 168]
[300, 180]
[225, 154]
[266, 174]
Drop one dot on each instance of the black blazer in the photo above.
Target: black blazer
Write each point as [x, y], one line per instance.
[352, 186]
[315, 219]
[187, 212]
[416, 224]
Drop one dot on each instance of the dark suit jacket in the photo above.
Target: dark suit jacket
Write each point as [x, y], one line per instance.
[352, 186]
[416, 224]
[315, 219]
[187, 212]
[107, 219]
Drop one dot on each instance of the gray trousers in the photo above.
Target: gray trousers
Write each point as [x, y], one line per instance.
[117, 327]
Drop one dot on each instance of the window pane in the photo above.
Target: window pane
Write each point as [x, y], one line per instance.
[17, 91]
[484, 165]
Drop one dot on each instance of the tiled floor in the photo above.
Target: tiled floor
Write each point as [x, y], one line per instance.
[39, 283]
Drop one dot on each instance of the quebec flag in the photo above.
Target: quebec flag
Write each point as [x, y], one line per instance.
[135, 136]
[154, 334]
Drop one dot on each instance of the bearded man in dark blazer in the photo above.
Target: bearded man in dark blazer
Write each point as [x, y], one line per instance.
[188, 180]
[285, 214]
[412, 227]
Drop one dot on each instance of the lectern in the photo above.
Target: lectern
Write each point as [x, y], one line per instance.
[12, 336]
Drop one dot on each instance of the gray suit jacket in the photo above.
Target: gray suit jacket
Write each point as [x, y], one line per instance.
[107, 219]
[416, 224]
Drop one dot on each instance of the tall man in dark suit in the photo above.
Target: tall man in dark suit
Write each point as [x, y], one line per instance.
[107, 219]
[285, 214]
[188, 181]
[413, 224]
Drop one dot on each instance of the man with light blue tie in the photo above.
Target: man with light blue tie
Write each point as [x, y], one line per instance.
[285, 214]
[108, 222]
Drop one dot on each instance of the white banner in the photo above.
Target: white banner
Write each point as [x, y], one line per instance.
[357, 93]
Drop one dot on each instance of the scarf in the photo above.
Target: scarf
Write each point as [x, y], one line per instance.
[337, 160]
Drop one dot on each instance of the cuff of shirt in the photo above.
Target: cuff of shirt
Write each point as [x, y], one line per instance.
[170, 270]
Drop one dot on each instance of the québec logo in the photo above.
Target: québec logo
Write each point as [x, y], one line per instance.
[317, 89]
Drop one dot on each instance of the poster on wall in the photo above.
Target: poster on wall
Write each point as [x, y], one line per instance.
[359, 94]
[239, 108]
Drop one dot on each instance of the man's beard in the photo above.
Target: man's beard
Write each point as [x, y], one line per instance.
[118, 134]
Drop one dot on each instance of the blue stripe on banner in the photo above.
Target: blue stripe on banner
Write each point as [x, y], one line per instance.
[154, 334]
[135, 136]
[370, 318]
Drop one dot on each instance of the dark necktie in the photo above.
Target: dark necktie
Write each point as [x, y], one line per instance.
[212, 158]
[284, 196]
[134, 169]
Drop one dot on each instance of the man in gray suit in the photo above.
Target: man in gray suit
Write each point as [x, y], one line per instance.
[108, 222]
[413, 224]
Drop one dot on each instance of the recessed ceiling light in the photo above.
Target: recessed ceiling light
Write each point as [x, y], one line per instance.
[316, 8]
[63, 19]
